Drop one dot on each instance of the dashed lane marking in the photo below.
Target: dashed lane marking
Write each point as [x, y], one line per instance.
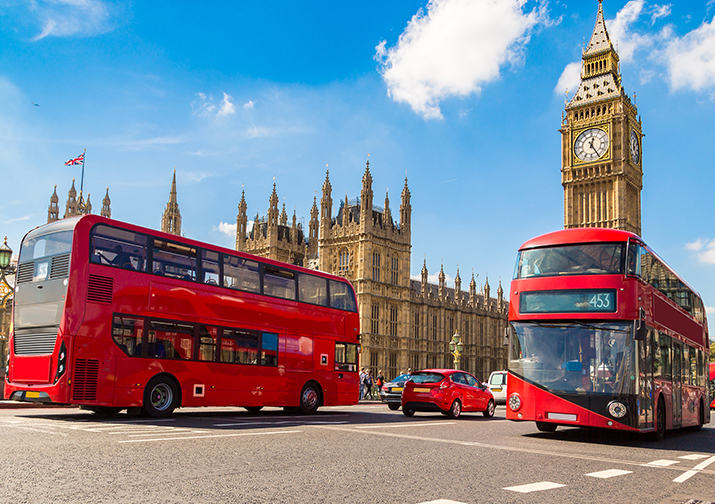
[661, 463]
[235, 434]
[534, 487]
[610, 473]
[694, 456]
[402, 424]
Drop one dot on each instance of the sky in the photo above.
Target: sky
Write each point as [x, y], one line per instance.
[462, 97]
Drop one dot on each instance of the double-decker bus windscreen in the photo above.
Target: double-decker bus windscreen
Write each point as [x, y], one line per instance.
[582, 259]
[575, 357]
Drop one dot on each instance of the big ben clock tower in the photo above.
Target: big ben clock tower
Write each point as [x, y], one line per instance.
[601, 136]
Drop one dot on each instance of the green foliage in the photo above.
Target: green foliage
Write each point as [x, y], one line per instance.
[712, 351]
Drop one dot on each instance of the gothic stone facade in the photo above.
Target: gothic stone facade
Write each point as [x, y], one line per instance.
[404, 323]
[602, 162]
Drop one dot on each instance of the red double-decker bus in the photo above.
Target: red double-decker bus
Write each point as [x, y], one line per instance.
[603, 333]
[109, 315]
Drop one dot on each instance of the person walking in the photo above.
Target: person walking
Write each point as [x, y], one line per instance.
[368, 384]
[379, 382]
[362, 383]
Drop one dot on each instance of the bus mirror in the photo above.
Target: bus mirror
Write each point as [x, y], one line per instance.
[640, 327]
[506, 336]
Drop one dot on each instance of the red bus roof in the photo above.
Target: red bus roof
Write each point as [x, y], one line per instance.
[579, 235]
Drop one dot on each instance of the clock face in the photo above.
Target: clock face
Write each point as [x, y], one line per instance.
[591, 144]
[635, 147]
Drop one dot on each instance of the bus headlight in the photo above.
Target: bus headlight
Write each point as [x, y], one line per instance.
[617, 409]
[514, 402]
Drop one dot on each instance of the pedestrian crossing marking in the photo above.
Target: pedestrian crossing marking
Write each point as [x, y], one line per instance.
[534, 487]
[694, 456]
[662, 463]
[610, 473]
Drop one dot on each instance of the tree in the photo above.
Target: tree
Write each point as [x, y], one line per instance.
[712, 351]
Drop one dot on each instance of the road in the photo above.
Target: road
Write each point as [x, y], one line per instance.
[359, 454]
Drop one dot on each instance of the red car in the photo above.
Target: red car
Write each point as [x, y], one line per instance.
[448, 391]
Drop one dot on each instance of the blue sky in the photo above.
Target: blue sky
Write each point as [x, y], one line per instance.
[462, 97]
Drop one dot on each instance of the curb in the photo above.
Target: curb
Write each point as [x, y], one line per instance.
[28, 405]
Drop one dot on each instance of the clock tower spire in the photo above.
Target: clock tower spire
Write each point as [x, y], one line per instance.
[601, 134]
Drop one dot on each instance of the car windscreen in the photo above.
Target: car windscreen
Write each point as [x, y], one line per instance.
[426, 377]
[498, 379]
[401, 378]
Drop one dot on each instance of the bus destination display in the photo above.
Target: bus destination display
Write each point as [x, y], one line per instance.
[568, 301]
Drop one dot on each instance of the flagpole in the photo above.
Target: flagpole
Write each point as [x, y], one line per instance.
[84, 157]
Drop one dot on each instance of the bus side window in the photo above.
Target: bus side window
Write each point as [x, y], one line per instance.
[269, 349]
[118, 247]
[207, 343]
[241, 274]
[278, 282]
[174, 260]
[313, 289]
[341, 296]
[210, 267]
[127, 334]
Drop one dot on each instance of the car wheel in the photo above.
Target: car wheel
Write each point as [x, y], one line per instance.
[408, 412]
[489, 412]
[456, 409]
[161, 397]
[546, 426]
[393, 406]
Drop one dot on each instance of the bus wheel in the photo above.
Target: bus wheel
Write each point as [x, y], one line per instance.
[659, 433]
[161, 397]
[310, 398]
[701, 418]
[546, 426]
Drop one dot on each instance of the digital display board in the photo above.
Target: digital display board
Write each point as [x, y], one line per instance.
[569, 301]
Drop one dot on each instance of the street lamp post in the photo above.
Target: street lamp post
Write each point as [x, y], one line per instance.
[6, 268]
[456, 347]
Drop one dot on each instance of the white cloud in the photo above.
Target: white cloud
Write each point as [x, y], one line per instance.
[620, 31]
[570, 78]
[248, 105]
[227, 228]
[691, 59]
[258, 132]
[226, 107]
[710, 309]
[705, 250]
[204, 106]
[660, 11]
[62, 18]
[455, 48]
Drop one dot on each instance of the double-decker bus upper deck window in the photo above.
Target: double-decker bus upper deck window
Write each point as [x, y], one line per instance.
[241, 274]
[118, 247]
[174, 260]
[210, 267]
[341, 296]
[46, 245]
[583, 259]
[278, 282]
[312, 289]
[45, 257]
[662, 278]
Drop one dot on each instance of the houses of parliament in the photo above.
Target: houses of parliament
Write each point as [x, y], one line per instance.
[408, 323]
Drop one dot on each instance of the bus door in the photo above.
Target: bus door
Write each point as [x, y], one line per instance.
[645, 379]
[677, 383]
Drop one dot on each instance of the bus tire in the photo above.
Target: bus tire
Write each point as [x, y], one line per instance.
[546, 426]
[659, 433]
[701, 418]
[161, 397]
[310, 398]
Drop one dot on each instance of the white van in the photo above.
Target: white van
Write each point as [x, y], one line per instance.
[497, 384]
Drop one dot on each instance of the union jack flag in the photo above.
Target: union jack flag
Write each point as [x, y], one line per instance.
[74, 161]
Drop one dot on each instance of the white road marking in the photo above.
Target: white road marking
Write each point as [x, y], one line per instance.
[401, 424]
[693, 457]
[695, 470]
[610, 473]
[443, 501]
[235, 434]
[662, 463]
[22, 427]
[534, 487]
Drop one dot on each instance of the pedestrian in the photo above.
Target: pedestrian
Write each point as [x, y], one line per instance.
[379, 382]
[362, 383]
[368, 383]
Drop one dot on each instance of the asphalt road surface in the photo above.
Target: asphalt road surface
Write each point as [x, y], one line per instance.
[350, 455]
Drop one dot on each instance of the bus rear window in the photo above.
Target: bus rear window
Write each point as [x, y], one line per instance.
[46, 245]
[583, 259]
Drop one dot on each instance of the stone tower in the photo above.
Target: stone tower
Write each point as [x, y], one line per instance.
[601, 136]
[53, 211]
[106, 206]
[171, 218]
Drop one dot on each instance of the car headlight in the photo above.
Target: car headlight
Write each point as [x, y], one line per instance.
[514, 402]
[617, 409]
